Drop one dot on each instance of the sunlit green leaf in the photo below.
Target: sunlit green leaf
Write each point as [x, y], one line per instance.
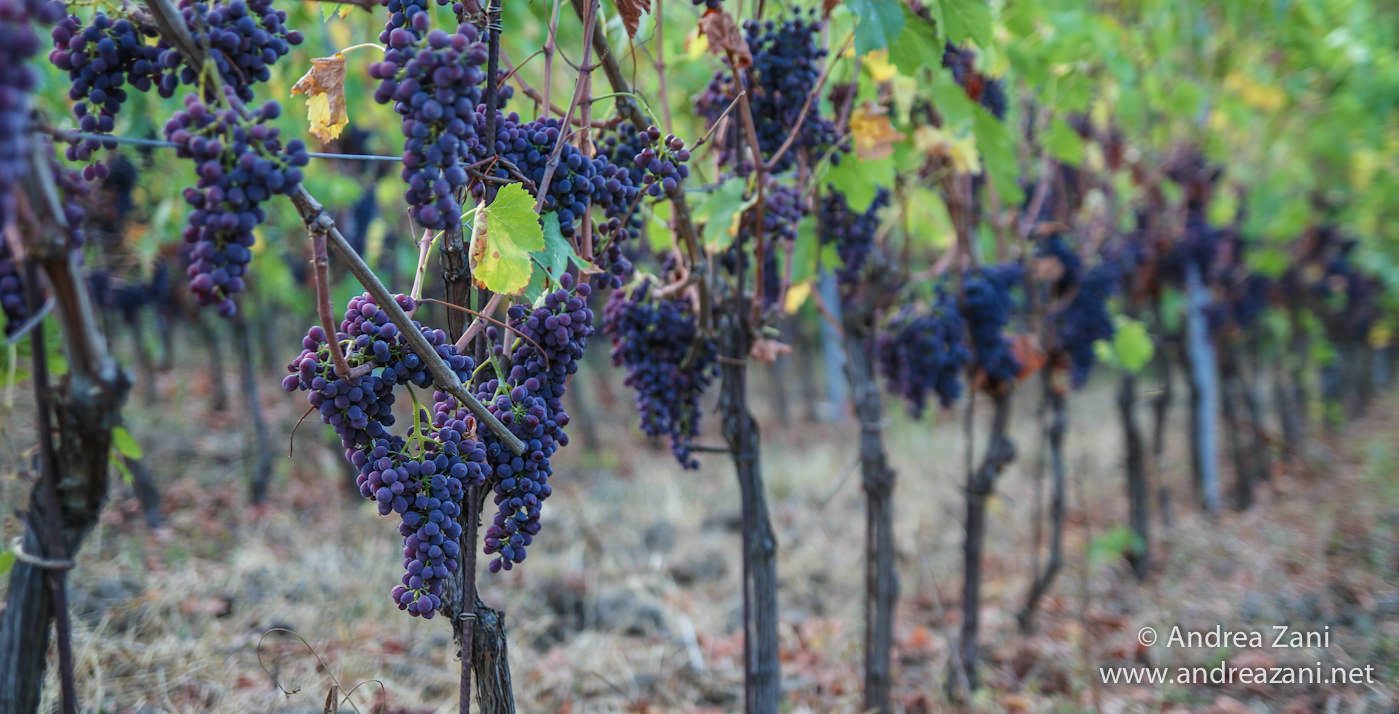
[125, 445]
[1063, 143]
[501, 249]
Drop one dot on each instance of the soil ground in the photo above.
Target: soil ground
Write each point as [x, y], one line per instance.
[629, 599]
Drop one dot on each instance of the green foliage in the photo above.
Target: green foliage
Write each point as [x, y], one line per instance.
[1131, 347]
[1064, 144]
[1113, 544]
[511, 232]
[879, 23]
[124, 444]
[718, 210]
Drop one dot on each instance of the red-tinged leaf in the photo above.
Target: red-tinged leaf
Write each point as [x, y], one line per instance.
[631, 12]
[724, 35]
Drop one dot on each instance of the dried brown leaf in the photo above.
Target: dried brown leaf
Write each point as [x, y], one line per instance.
[725, 36]
[324, 87]
[768, 350]
[874, 135]
[631, 12]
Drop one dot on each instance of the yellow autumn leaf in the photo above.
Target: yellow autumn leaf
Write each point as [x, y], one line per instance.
[960, 152]
[324, 87]
[696, 44]
[879, 67]
[796, 297]
[874, 135]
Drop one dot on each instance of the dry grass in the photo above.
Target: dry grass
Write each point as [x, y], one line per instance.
[629, 599]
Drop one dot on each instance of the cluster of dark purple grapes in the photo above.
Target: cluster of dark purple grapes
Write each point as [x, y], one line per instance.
[102, 59]
[654, 166]
[990, 93]
[239, 166]
[1071, 265]
[786, 65]
[18, 43]
[578, 182]
[244, 37]
[923, 351]
[13, 300]
[708, 4]
[111, 54]
[852, 233]
[986, 306]
[1085, 320]
[669, 363]
[420, 477]
[529, 401]
[434, 81]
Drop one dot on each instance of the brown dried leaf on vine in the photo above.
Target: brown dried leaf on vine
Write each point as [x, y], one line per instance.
[829, 6]
[725, 36]
[767, 350]
[631, 12]
[324, 87]
[1027, 351]
[874, 135]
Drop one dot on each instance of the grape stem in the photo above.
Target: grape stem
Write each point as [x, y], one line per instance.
[321, 272]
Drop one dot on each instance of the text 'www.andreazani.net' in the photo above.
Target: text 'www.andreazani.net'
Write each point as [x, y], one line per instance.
[1225, 673]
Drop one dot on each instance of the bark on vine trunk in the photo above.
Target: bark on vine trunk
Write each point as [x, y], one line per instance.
[762, 677]
[881, 578]
[1138, 489]
[1054, 429]
[84, 408]
[1234, 431]
[1160, 410]
[261, 447]
[1000, 451]
[1261, 460]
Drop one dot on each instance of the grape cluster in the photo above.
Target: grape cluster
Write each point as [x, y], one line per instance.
[852, 233]
[925, 351]
[244, 38]
[102, 59]
[13, 300]
[420, 477]
[1071, 265]
[786, 65]
[434, 81]
[1085, 320]
[529, 401]
[669, 363]
[239, 166]
[17, 44]
[708, 4]
[654, 166]
[989, 92]
[578, 182]
[986, 306]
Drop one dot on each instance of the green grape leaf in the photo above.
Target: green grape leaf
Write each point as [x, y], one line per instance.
[804, 251]
[720, 209]
[997, 155]
[917, 46]
[880, 22]
[121, 466]
[967, 19]
[500, 249]
[124, 444]
[859, 180]
[1132, 344]
[950, 99]
[1064, 144]
[7, 561]
[551, 261]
